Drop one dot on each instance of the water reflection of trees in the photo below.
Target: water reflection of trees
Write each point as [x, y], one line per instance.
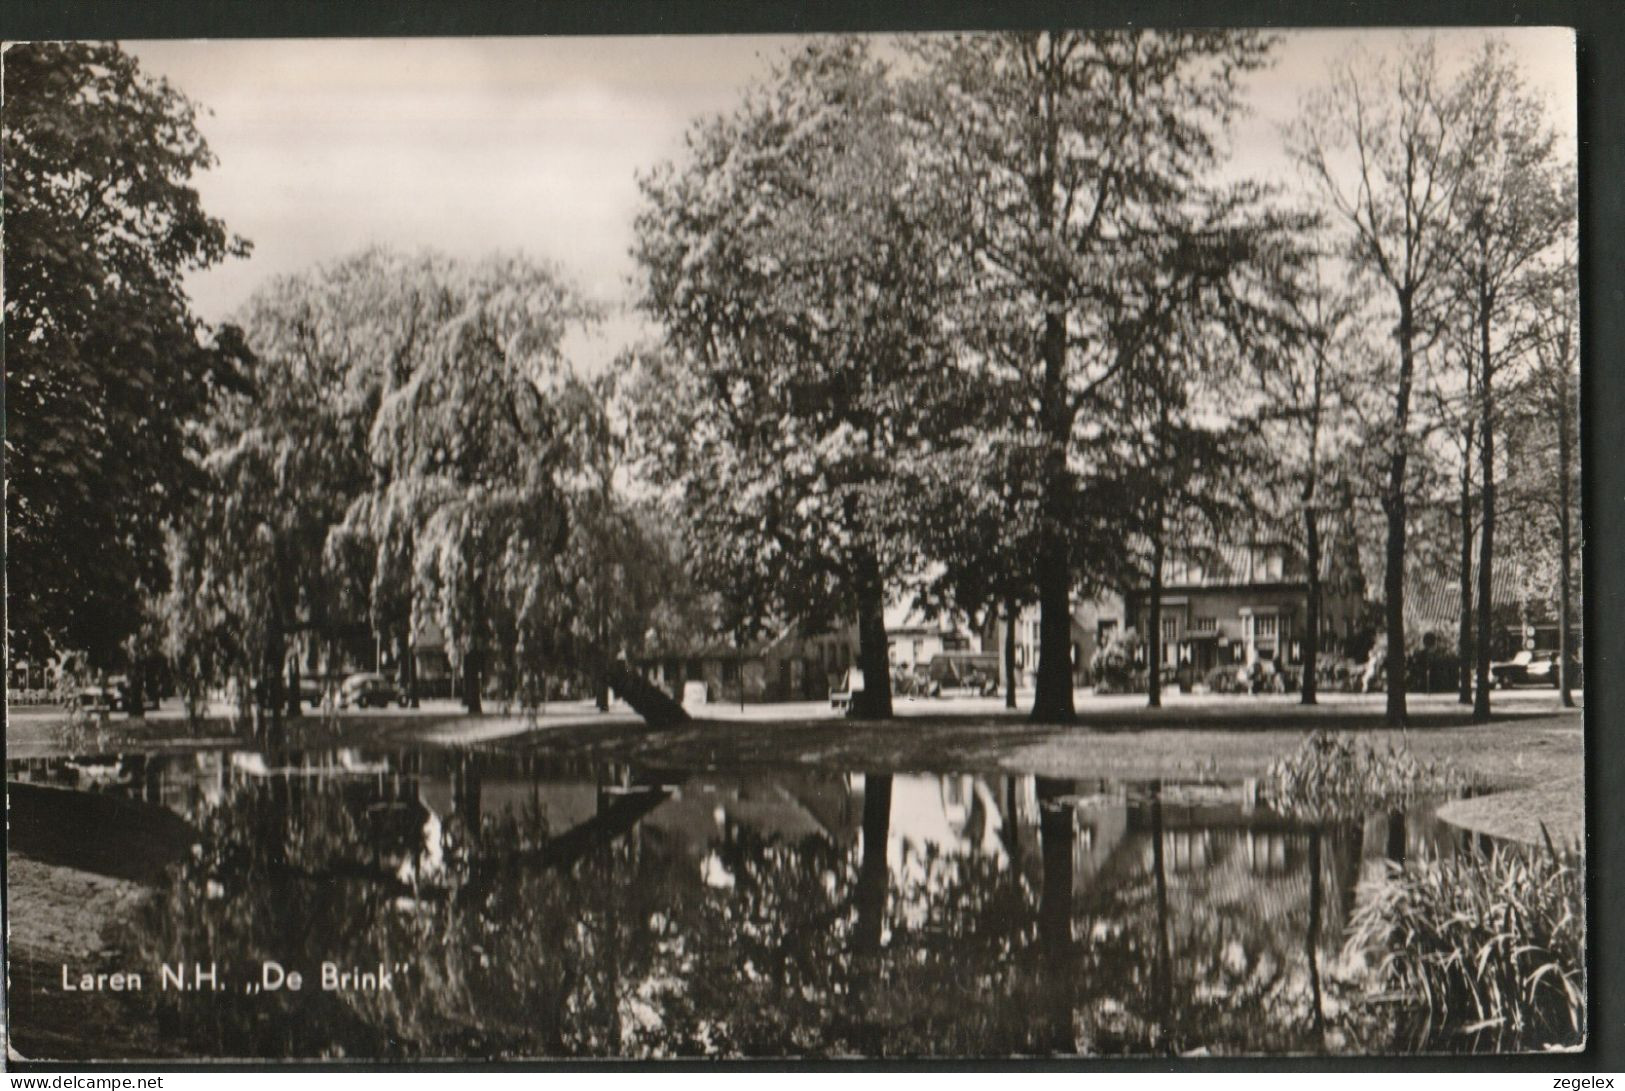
[1076, 932]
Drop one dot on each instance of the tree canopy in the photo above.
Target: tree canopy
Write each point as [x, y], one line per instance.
[108, 369]
[799, 277]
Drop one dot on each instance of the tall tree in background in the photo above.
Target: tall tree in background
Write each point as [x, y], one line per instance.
[480, 438]
[1385, 145]
[1192, 321]
[1303, 422]
[1547, 408]
[1456, 407]
[392, 308]
[107, 369]
[1517, 199]
[1059, 147]
[977, 518]
[798, 276]
[280, 476]
[292, 468]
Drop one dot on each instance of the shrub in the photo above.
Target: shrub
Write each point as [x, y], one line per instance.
[1333, 777]
[1488, 948]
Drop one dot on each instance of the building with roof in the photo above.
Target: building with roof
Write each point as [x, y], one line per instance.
[1524, 615]
[1235, 604]
[799, 665]
[1224, 604]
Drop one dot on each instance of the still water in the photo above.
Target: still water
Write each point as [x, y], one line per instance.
[496, 904]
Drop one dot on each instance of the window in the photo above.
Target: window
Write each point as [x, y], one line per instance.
[1204, 625]
[1170, 640]
[1268, 626]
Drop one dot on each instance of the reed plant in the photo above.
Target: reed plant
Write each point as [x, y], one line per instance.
[1486, 948]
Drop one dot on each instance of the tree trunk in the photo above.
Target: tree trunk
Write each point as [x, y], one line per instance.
[1153, 666]
[295, 698]
[1394, 507]
[1464, 640]
[1486, 515]
[1057, 840]
[1311, 609]
[1394, 850]
[870, 892]
[1010, 653]
[1164, 965]
[135, 703]
[1311, 940]
[473, 669]
[276, 649]
[409, 668]
[873, 702]
[1564, 530]
[285, 595]
[1052, 697]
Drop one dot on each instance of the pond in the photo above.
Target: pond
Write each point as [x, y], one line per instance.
[499, 904]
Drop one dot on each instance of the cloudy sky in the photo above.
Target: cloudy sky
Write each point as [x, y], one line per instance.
[475, 145]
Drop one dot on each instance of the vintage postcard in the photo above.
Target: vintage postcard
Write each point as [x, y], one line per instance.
[987, 545]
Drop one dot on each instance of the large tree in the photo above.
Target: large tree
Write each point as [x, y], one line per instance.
[1197, 313]
[477, 445]
[1543, 470]
[1061, 149]
[1385, 146]
[292, 471]
[976, 514]
[108, 370]
[1518, 198]
[798, 275]
[390, 308]
[1304, 421]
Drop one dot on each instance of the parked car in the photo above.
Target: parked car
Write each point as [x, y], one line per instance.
[1527, 668]
[311, 691]
[130, 699]
[114, 695]
[368, 690]
[1533, 669]
[95, 697]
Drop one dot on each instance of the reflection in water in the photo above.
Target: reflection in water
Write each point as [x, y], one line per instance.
[532, 908]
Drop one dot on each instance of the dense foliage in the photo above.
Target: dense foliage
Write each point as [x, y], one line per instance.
[107, 370]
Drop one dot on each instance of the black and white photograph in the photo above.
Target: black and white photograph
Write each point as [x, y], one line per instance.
[934, 545]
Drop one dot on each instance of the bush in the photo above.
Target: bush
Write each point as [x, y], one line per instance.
[1490, 948]
[1223, 680]
[1336, 777]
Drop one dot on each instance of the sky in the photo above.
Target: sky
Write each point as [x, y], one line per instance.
[474, 145]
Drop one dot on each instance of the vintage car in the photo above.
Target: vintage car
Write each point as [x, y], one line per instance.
[368, 689]
[1527, 668]
[1530, 668]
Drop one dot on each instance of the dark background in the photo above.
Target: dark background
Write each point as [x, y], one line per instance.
[1600, 28]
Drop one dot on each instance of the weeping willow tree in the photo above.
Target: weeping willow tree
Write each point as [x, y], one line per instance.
[475, 454]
